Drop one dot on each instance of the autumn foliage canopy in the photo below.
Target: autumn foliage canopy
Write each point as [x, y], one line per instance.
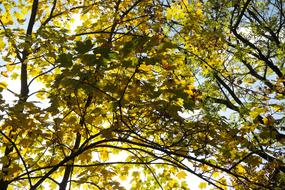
[143, 91]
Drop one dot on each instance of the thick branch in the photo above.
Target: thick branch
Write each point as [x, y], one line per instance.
[256, 75]
[24, 73]
[232, 93]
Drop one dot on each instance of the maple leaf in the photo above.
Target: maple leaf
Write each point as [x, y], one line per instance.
[181, 175]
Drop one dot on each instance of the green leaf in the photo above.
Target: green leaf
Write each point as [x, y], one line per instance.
[90, 59]
[189, 105]
[102, 51]
[65, 60]
[83, 47]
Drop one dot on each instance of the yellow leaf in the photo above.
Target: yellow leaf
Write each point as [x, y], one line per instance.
[181, 175]
[4, 74]
[265, 120]
[240, 169]
[7, 19]
[10, 66]
[169, 14]
[278, 108]
[199, 4]
[256, 111]
[86, 157]
[199, 13]
[19, 16]
[279, 96]
[2, 44]
[185, 2]
[223, 181]
[146, 68]
[189, 90]
[3, 85]
[123, 177]
[215, 174]
[202, 185]
[180, 101]
[179, 14]
[171, 183]
[40, 95]
[104, 155]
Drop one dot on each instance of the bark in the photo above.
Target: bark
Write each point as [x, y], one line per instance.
[24, 89]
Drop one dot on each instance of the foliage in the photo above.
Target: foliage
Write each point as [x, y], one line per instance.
[146, 91]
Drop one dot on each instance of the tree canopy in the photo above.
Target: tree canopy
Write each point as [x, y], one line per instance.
[146, 91]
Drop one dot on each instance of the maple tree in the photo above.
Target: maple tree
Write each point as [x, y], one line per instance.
[111, 92]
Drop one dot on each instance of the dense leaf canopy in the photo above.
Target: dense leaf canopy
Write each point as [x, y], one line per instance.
[143, 91]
